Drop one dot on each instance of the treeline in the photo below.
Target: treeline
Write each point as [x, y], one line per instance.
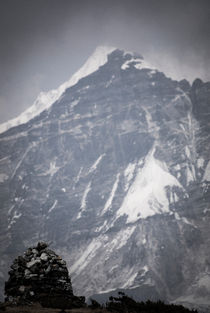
[125, 304]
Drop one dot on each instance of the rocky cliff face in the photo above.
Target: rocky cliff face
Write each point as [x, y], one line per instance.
[116, 173]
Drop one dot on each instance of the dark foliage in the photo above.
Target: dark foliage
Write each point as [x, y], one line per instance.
[125, 304]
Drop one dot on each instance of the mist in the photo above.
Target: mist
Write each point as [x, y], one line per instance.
[44, 42]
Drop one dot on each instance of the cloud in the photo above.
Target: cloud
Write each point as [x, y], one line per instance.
[54, 38]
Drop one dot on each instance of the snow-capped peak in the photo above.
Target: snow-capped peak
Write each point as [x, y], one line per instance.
[46, 99]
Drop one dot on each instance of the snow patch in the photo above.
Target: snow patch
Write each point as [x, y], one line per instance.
[84, 199]
[4, 159]
[145, 269]
[183, 219]
[10, 209]
[51, 171]
[88, 188]
[21, 160]
[46, 99]
[147, 195]
[138, 63]
[128, 173]
[123, 236]
[119, 240]
[112, 194]
[177, 167]
[130, 280]
[53, 206]
[176, 98]
[206, 175]
[74, 103]
[14, 219]
[94, 166]
[103, 227]
[106, 291]
[187, 151]
[86, 256]
[189, 175]
[79, 175]
[200, 162]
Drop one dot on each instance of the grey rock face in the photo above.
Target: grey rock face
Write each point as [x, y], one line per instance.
[116, 174]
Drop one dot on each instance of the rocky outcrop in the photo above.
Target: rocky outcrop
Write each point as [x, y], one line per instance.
[41, 275]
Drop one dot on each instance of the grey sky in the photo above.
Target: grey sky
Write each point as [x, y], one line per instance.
[43, 42]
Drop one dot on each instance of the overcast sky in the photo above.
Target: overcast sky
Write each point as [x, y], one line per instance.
[43, 42]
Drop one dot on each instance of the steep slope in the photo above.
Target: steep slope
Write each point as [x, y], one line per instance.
[116, 174]
[46, 99]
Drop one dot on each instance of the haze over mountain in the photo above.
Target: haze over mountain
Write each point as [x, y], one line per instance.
[115, 172]
[44, 42]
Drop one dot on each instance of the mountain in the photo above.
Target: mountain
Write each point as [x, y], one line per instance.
[46, 99]
[115, 173]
